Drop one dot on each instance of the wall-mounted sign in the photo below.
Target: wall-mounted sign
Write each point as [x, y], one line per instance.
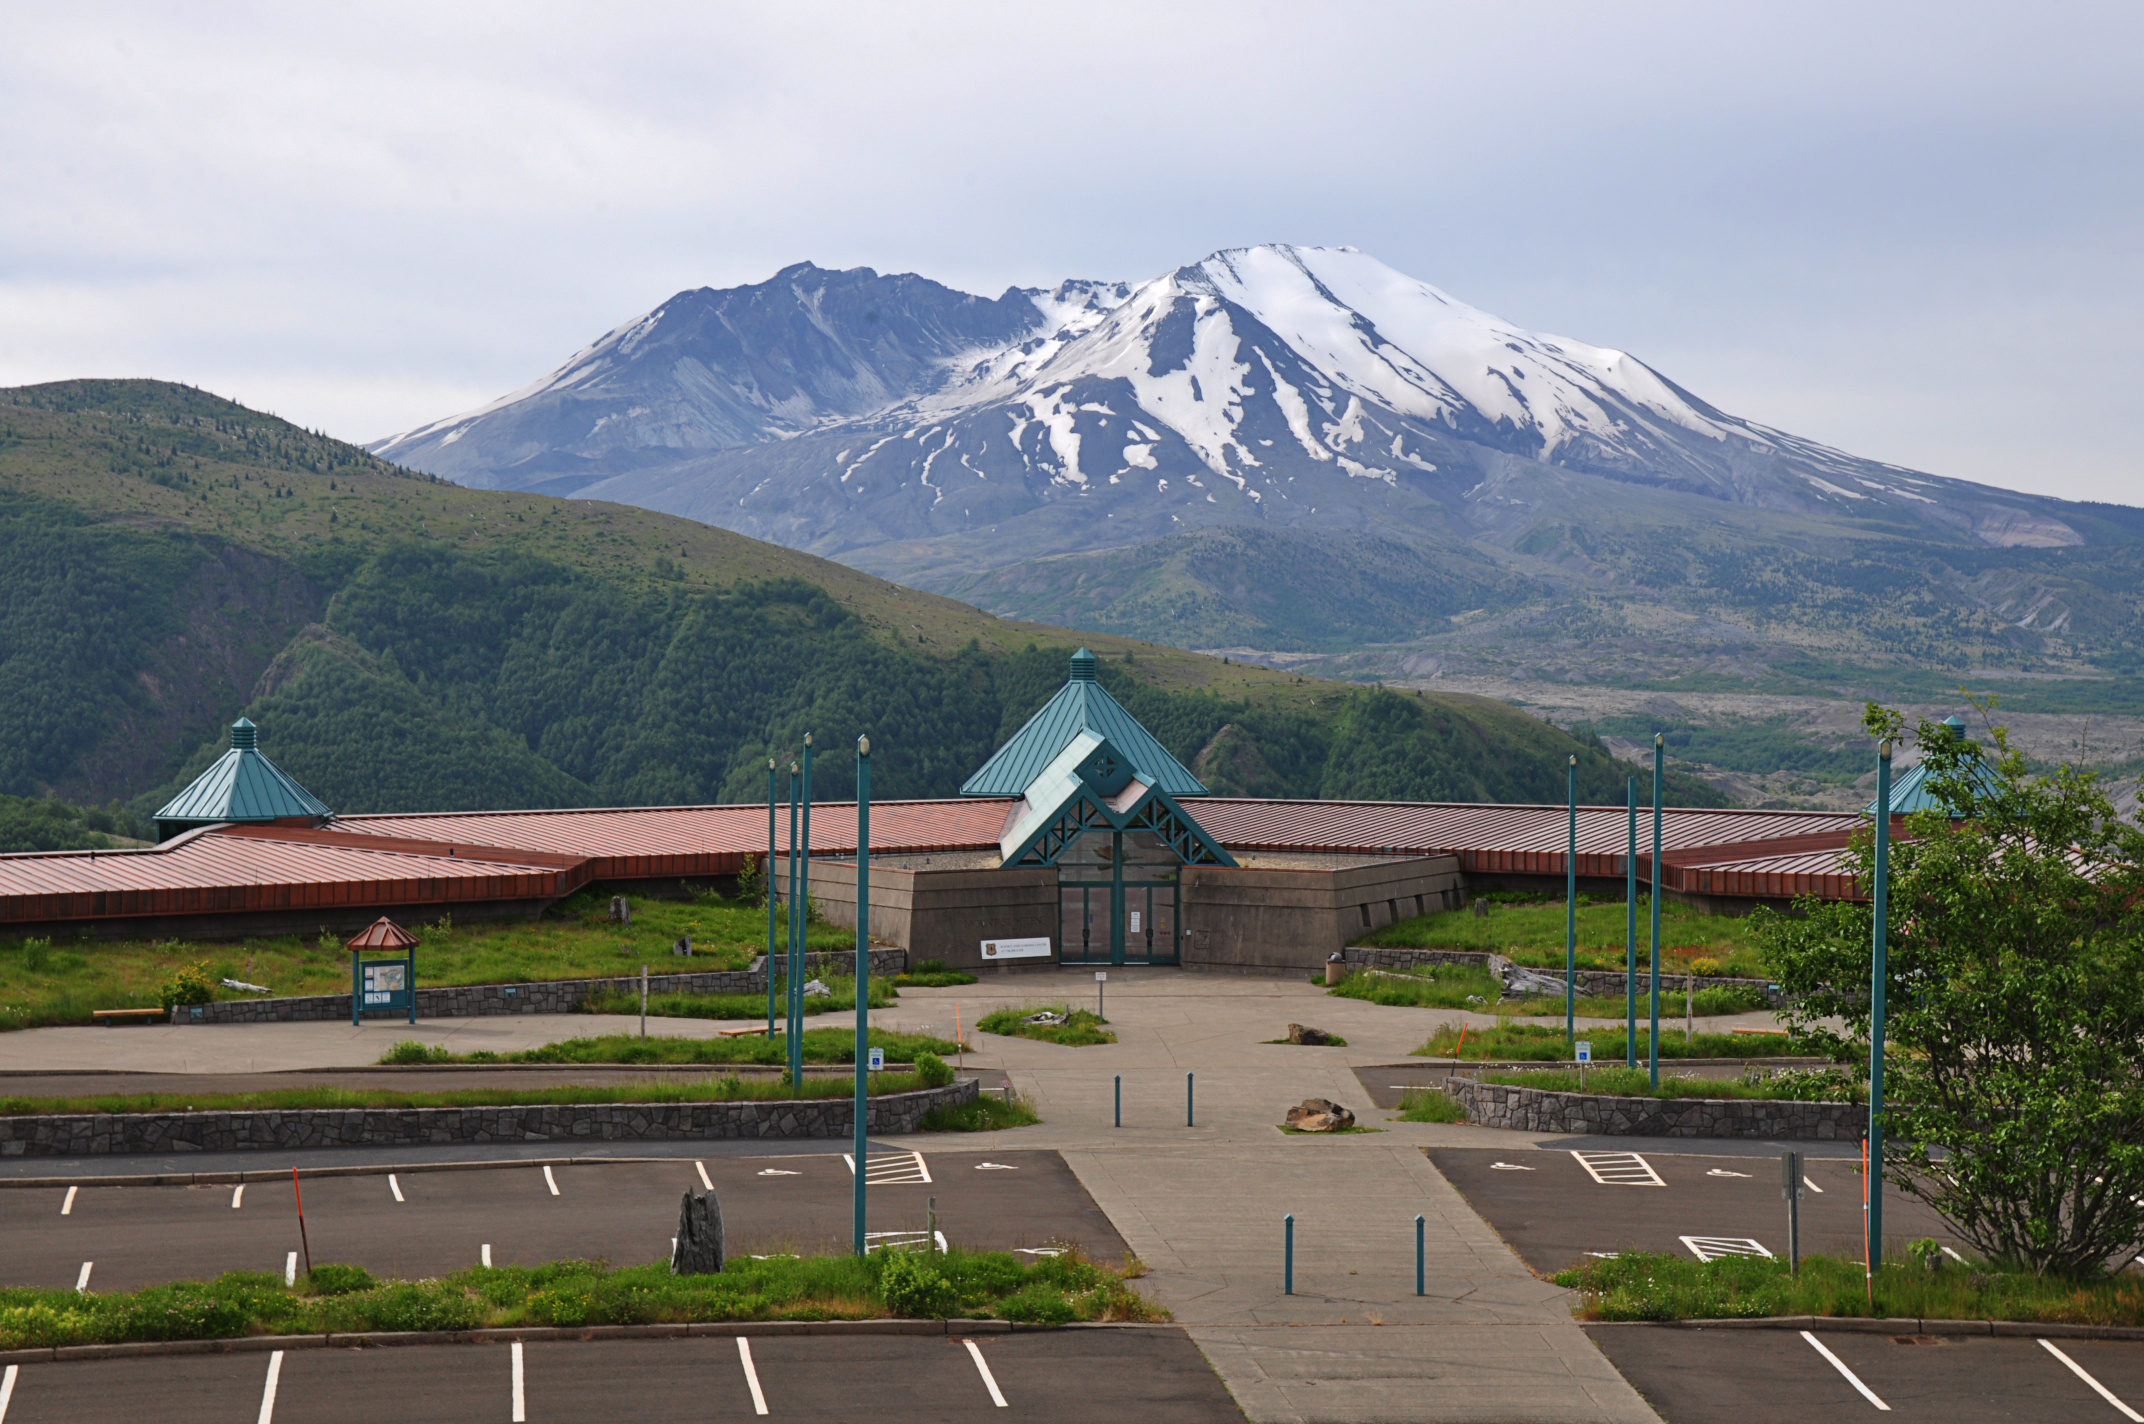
[1135, 922]
[996, 949]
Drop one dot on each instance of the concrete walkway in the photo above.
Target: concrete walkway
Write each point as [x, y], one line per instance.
[1201, 1206]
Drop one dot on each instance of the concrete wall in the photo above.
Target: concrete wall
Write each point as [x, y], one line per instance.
[1251, 920]
[545, 996]
[1594, 1114]
[944, 914]
[89, 1134]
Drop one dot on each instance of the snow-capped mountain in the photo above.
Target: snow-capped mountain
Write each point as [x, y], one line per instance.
[1286, 427]
[840, 410]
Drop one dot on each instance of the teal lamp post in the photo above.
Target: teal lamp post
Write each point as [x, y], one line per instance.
[1630, 929]
[863, 969]
[1660, 776]
[1570, 918]
[773, 900]
[1879, 974]
[789, 937]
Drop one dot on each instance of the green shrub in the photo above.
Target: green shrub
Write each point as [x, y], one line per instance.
[330, 1279]
[912, 1285]
[932, 1071]
[409, 1050]
[1082, 1028]
[987, 1113]
[1430, 1105]
[190, 984]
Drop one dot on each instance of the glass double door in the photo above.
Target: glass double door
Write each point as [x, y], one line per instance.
[1118, 903]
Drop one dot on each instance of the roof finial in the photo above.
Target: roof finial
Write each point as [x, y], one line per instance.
[243, 733]
[1083, 666]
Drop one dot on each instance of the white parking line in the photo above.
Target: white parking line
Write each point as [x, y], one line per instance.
[778, 1172]
[290, 1269]
[550, 1181]
[1851, 1378]
[1619, 1169]
[7, 1391]
[751, 1376]
[394, 1186]
[891, 1169]
[703, 1176]
[1508, 1167]
[1712, 1248]
[1812, 1186]
[2101, 1390]
[238, 1195]
[1723, 1172]
[275, 1373]
[982, 1367]
[521, 1399]
[875, 1240]
[67, 1206]
[484, 1254]
[81, 1282]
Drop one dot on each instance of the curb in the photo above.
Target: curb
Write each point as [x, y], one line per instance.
[271, 1174]
[1896, 1325]
[384, 1339]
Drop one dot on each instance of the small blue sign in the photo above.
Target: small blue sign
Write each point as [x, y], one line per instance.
[878, 1060]
[1585, 1051]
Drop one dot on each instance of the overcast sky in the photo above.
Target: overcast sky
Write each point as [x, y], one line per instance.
[1910, 231]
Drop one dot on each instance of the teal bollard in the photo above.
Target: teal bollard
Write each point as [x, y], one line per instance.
[1287, 1268]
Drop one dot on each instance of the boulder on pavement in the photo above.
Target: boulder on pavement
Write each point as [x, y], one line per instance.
[1319, 1115]
[699, 1237]
[1298, 1033]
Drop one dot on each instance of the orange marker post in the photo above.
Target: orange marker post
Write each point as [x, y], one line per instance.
[302, 1239]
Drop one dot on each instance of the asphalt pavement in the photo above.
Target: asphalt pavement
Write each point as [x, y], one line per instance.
[1735, 1376]
[1556, 1207]
[423, 1223]
[1147, 1374]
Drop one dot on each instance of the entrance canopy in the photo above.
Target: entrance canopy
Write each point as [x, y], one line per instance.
[1091, 787]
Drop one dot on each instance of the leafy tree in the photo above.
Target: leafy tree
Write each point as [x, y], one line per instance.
[2015, 993]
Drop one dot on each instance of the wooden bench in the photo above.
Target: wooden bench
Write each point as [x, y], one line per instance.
[112, 1016]
[740, 1032]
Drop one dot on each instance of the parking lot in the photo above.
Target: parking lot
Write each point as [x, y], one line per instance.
[422, 1223]
[1557, 1207]
[1144, 1373]
[1727, 1376]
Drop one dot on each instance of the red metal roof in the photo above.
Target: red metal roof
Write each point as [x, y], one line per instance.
[243, 869]
[512, 855]
[650, 841]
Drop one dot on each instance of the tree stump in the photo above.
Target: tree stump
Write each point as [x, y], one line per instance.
[699, 1237]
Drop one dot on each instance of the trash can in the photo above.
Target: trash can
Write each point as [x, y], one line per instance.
[1335, 968]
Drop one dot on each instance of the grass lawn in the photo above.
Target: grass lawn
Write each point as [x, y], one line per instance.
[1054, 1290]
[60, 983]
[1532, 933]
[730, 1089]
[1647, 1286]
[1081, 1028]
[987, 1113]
[1456, 986]
[741, 1006]
[1817, 1085]
[1509, 1042]
[1430, 1105]
[821, 1045]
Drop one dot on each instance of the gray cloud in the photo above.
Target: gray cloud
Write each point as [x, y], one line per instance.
[1911, 231]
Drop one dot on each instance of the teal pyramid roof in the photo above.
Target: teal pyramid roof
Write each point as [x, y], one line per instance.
[243, 785]
[1081, 707]
[1910, 791]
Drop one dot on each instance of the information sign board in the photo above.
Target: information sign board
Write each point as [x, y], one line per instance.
[997, 949]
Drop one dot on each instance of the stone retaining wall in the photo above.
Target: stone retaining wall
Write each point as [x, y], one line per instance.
[79, 1134]
[549, 996]
[1538, 1110]
[1600, 982]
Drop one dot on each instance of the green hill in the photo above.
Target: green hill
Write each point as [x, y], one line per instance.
[172, 559]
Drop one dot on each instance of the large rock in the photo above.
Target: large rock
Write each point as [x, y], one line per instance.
[699, 1237]
[1319, 1115]
[1299, 1033]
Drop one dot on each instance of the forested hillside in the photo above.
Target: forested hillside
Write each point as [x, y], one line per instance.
[169, 560]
